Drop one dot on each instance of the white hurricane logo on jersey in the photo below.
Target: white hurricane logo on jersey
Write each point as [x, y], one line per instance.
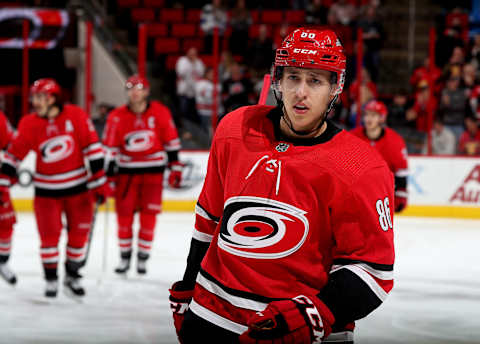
[261, 228]
[57, 148]
[139, 141]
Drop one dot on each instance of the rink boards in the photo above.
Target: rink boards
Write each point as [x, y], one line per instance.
[437, 186]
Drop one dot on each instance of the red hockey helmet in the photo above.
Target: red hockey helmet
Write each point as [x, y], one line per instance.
[47, 86]
[135, 80]
[309, 48]
[377, 107]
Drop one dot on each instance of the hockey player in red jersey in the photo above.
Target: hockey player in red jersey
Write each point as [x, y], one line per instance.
[293, 239]
[390, 145]
[7, 214]
[140, 138]
[63, 137]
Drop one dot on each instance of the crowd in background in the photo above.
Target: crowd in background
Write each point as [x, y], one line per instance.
[243, 62]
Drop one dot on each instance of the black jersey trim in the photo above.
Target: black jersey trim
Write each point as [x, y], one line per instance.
[376, 266]
[8, 169]
[212, 217]
[198, 249]
[400, 183]
[348, 297]
[141, 170]
[42, 192]
[239, 293]
[275, 116]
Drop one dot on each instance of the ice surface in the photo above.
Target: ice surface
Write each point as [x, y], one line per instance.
[436, 298]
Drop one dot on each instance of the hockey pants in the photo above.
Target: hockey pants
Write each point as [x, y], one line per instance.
[78, 210]
[142, 193]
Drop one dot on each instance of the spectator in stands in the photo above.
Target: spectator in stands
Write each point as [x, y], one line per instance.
[373, 36]
[237, 90]
[204, 100]
[225, 67]
[316, 13]
[469, 143]
[240, 21]
[344, 12]
[212, 16]
[423, 73]
[443, 140]
[453, 106]
[397, 112]
[189, 69]
[474, 55]
[99, 121]
[419, 112]
[469, 77]
[475, 102]
[261, 50]
[366, 91]
[445, 45]
[299, 4]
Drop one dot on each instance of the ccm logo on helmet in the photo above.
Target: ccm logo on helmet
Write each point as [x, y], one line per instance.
[139, 141]
[260, 228]
[305, 51]
[57, 148]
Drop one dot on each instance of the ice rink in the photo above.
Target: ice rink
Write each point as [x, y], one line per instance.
[436, 298]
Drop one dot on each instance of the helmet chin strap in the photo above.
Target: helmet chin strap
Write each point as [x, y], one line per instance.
[288, 122]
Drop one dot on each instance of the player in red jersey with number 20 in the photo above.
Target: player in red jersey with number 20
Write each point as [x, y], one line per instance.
[293, 238]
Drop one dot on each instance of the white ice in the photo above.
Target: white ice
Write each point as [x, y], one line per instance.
[436, 298]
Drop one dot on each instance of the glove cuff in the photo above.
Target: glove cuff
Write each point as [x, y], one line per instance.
[178, 294]
[175, 166]
[319, 316]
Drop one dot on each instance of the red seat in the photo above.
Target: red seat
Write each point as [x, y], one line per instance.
[154, 3]
[171, 15]
[164, 45]
[183, 30]
[207, 60]
[142, 15]
[193, 16]
[128, 3]
[253, 31]
[255, 16]
[157, 29]
[295, 17]
[271, 17]
[192, 42]
[171, 62]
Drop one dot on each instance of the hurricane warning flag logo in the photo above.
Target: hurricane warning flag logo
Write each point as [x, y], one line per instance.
[261, 228]
[57, 148]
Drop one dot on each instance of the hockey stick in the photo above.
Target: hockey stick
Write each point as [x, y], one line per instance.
[105, 242]
[90, 234]
[265, 88]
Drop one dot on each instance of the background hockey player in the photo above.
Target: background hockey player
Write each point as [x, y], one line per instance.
[140, 138]
[390, 145]
[7, 214]
[63, 137]
[293, 239]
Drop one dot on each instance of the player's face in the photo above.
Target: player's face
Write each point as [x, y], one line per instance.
[372, 120]
[41, 102]
[306, 94]
[137, 94]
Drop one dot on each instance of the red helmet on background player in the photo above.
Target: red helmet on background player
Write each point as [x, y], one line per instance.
[47, 86]
[308, 48]
[135, 81]
[377, 107]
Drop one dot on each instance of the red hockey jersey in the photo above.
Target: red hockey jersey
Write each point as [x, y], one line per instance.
[6, 133]
[392, 148]
[138, 143]
[62, 144]
[281, 217]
